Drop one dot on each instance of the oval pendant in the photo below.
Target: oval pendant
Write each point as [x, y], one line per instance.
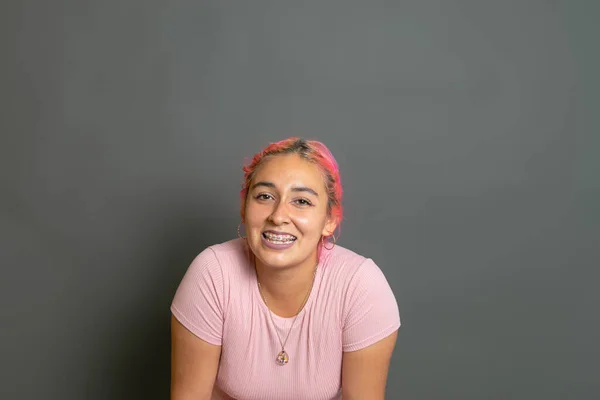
[282, 358]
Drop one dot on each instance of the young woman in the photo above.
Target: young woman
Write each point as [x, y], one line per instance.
[284, 312]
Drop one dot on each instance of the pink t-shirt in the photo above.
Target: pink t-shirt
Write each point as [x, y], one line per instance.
[350, 307]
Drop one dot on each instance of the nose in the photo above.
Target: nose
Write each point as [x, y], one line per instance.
[280, 214]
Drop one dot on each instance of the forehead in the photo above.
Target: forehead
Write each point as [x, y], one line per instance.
[290, 170]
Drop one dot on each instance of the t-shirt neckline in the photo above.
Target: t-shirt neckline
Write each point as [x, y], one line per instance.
[313, 292]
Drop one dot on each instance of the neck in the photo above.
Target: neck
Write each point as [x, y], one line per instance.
[285, 289]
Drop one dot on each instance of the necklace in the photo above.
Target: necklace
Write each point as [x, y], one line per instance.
[283, 358]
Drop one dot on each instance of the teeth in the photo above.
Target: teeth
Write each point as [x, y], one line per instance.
[279, 239]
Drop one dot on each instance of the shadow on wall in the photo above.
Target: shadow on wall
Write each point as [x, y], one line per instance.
[139, 360]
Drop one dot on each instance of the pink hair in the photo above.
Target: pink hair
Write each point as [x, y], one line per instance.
[312, 151]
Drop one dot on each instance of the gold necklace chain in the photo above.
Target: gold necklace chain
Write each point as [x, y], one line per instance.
[283, 358]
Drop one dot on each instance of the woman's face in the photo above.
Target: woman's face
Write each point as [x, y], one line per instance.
[286, 212]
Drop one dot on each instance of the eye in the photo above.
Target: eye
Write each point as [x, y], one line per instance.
[263, 196]
[303, 202]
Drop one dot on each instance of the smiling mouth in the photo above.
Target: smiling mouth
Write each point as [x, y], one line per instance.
[279, 239]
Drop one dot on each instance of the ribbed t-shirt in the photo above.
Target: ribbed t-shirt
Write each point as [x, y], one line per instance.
[350, 307]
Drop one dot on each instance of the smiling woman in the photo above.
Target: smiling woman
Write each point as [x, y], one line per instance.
[284, 312]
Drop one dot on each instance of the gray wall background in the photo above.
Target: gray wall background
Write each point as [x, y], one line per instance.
[467, 135]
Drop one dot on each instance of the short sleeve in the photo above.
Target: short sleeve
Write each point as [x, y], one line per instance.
[198, 301]
[370, 308]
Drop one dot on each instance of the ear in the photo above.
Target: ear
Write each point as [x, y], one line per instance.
[329, 227]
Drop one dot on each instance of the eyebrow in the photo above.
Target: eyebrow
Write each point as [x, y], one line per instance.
[294, 189]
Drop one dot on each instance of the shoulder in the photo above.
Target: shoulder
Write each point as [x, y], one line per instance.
[220, 262]
[227, 254]
[349, 265]
[212, 273]
[356, 278]
[228, 262]
[368, 308]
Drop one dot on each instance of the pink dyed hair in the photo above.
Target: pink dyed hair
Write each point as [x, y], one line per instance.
[312, 151]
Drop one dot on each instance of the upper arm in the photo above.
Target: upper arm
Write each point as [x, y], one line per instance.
[194, 364]
[365, 371]
[370, 327]
[196, 329]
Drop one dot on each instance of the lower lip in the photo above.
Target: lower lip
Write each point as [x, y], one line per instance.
[276, 246]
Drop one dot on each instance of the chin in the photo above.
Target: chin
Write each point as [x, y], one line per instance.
[267, 257]
[273, 258]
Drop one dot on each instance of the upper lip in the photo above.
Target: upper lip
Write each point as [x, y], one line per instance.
[278, 233]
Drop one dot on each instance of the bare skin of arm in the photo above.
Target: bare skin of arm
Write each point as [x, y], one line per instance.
[194, 364]
[365, 371]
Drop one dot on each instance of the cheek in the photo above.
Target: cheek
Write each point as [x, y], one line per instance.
[255, 214]
[309, 224]
[305, 221]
